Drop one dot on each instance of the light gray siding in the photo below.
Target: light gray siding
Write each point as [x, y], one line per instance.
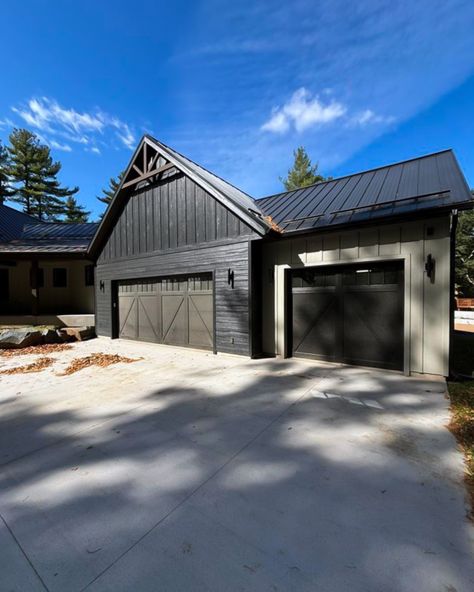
[427, 303]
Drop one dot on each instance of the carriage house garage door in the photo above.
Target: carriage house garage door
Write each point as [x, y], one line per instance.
[169, 310]
[351, 314]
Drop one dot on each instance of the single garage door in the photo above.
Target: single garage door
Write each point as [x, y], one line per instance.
[351, 314]
[173, 311]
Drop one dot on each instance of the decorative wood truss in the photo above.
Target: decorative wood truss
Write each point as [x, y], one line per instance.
[147, 167]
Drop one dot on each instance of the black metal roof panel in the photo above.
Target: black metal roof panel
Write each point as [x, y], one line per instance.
[12, 222]
[59, 230]
[426, 183]
[21, 233]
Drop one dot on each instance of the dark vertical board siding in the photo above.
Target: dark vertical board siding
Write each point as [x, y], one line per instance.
[142, 222]
[164, 216]
[181, 210]
[190, 205]
[232, 226]
[128, 212]
[175, 213]
[173, 216]
[156, 218]
[221, 221]
[150, 216]
[210, 218]
[136, 225]
[123, 236]
[232, 304]
[200, 215]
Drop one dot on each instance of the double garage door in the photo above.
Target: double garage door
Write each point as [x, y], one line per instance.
[350, 314]
[173, 310]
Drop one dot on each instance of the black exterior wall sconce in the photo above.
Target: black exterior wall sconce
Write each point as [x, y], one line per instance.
[102, 286]
[430, 267]
[230, 277]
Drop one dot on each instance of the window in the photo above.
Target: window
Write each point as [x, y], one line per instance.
[59, 277]
[4, 285]
[89, 275]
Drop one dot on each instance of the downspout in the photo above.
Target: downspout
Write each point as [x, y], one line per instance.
[453, 223]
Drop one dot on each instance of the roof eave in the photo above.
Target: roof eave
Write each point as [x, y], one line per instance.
[420, 214]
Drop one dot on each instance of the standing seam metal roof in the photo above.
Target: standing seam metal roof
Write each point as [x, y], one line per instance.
[22, 233]
[423, 183]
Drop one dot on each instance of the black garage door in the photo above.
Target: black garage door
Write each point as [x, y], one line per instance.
[173, 311]
[351, 314]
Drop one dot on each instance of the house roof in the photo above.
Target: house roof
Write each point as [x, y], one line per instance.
[431, 182]
[12, 222]
[234, 199]
[21, 233]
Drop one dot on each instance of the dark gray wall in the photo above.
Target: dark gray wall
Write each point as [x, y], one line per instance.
[175, 213]
[177, 228]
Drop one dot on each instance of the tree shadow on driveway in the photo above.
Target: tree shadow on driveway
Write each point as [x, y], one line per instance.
[249, 475]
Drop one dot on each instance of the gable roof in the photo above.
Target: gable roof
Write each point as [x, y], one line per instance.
[431, 182]
[22, 233]
[166, 158]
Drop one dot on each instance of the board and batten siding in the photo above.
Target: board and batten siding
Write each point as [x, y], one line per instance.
[177, 228]
[426, 302]
[173, 214]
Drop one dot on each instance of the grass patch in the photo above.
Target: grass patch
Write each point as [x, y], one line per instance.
[37, 366]
[462, 426]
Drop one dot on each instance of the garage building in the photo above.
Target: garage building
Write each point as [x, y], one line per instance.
[355, 270]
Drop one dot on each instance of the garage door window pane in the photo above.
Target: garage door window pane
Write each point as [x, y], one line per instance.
[391, 276]
[376, 277]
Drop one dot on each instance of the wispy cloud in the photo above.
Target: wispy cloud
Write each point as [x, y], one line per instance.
[5, 123]
[59, 146]
[368, 116]
[54, 121]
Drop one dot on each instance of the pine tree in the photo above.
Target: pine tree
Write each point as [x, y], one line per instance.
[302, 173]
[74, 212]
[109, 192]
[5, 188]
[34, 176]
[464, 252]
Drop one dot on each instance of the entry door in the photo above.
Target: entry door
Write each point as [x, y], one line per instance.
[173, 310]
[350, 314]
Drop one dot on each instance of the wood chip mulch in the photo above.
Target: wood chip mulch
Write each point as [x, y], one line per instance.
[37, 366]
[102, 360]
[48, 348]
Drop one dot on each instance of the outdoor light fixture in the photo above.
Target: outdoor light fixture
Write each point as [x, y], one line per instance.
[102, 286]
[230, 277]
[430, 266]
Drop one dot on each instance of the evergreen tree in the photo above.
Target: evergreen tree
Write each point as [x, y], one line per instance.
[34, 176]
[109, 192]
[464, 253]
[5, 189]
[302, 173]
[74, 212]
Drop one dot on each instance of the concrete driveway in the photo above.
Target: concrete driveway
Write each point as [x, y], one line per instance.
[188, 471]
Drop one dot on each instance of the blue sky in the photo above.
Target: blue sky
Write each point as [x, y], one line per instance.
[237, 86]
